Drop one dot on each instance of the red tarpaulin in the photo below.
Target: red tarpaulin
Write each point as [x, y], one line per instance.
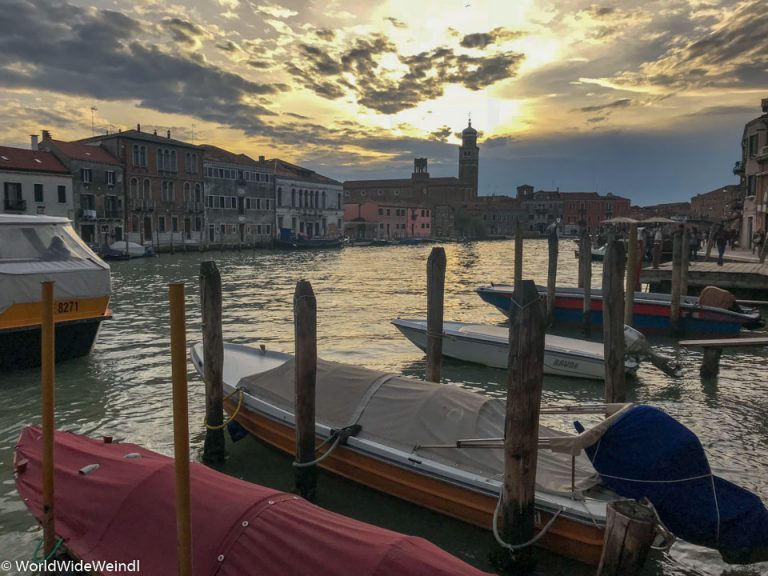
[125, 510]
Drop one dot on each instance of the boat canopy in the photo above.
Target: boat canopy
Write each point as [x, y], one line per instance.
[37, 249]
[404, 414]
[115, 503]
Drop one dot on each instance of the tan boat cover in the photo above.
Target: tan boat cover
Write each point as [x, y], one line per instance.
[404, 413]
[717, 297]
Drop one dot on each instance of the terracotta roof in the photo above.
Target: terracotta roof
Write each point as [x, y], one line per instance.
[136, 135]
[87, 152]
[288, 170]
[30, 161]
[216, 154]
[399, 182]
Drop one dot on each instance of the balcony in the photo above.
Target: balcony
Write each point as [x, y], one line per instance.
[738, 168]
[15, 204]
[87, 214]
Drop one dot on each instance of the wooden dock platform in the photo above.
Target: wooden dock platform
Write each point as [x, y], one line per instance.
[744, 279]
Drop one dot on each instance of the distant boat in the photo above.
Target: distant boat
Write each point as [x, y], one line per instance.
[650, 314]
[39, 248]
[598, 254]
[133, 250]
[308, 243]
[115, 503]
[489, 345]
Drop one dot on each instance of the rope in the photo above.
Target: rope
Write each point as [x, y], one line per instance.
[514, 547]
[234, 414]
[321, 458]
[658, 481]
[37, 550]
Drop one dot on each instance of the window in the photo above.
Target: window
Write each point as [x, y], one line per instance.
[381, 211]
[39, 193]
[266, 204]
[175, 223]
[85, 175]
[753, 145]
[62, 193]
[161, 223]
[147, 189]
[109, 177]
[140, 155]
[268, 228]
[167, 192]
[198, 193]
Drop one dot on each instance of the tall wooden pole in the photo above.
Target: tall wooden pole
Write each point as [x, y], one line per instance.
[180, 428]
[47, 382]
[435, 296]
[585, 255]
[632, 265]
[521, 426]
[552, 274]
[305, 328]
[214, 447]
[677, 264]
[710, 241]
[518, 252]
[613, 321]
[685, 257]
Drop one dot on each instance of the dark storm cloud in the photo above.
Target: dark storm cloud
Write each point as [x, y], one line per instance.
[183, 31]
[228, 47]
[97, 53]
[483, 39]
[623, 103]
[322, 71]
[596, 119]
[442, 134]
[325, 34]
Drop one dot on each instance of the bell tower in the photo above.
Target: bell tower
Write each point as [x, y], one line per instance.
[469, 158]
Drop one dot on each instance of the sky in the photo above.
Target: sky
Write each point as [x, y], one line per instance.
[643, 99]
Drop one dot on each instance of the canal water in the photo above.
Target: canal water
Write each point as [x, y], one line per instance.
[123, 388]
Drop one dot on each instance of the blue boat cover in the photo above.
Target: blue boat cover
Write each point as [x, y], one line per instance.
[649, 454]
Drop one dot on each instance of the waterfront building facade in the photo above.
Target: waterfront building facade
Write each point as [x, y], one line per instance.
[164, 187]
[386, 221]
[753, 171]
[591, 209]
[723, 204]
[307, 204]
[239, 199]
[35, 182]
[671, 210]
[542, 207]
[97, 188]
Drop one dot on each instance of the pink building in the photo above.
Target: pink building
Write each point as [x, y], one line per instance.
[386, 221]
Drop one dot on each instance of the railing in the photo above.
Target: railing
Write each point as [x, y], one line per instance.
[738, 168]
[87, 214]
[16, 204]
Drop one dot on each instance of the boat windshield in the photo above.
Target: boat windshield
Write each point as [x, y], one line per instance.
[47, 242]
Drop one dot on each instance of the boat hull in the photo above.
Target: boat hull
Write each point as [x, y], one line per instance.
[495, 354]
[566, 537]
[20, 347]
[648, 317]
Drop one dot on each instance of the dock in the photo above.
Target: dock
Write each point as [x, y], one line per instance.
[744, 279]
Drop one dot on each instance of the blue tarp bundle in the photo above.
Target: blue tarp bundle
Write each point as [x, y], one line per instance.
[648, 454]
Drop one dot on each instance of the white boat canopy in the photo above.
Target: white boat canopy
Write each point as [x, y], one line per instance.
[34, 249]
[403, 413]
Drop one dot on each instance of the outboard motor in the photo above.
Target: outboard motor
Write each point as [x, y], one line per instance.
[636, 344]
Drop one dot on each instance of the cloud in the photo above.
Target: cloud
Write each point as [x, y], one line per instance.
[441, 134]
[120, 66]
[495, 36]
[623, 103]
[185, 32]
[275, 11]
[396, 23]
[364, 70]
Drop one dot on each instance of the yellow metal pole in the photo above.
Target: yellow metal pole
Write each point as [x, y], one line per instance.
[180, 429]
[47, 376]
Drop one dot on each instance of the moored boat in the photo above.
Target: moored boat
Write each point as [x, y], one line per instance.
[308, 243]
[128, 249]
[115, 504]
[489, 345]
[438, 446]
[651, 311]
[43, 248]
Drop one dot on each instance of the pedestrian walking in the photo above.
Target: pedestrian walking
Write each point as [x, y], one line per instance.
[721, 239]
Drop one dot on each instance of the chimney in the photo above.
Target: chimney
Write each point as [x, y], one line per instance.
[34, 141]
[155, 132]
[169, 134]
[46, 134]
[764, 104]
[261, 158]
[138, 127]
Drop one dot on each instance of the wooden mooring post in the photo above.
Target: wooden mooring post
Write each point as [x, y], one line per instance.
[180, 429]
[685, 260]
[585, 265]
[305, 329]
[435, 295]
[629, 532]
[214, 447]
[710, 241]
[713, 350]
[613, 321]
[518, 253]
[521, 426]
[677, 265]
[633, 264]
[48, 390]
[552, 243]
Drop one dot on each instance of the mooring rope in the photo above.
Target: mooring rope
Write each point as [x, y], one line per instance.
[234, 414]
[514, 547]
[324, 456]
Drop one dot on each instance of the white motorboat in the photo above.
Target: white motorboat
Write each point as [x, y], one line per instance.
[489, 345]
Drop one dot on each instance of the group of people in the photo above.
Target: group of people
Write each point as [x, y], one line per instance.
[696, 240]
